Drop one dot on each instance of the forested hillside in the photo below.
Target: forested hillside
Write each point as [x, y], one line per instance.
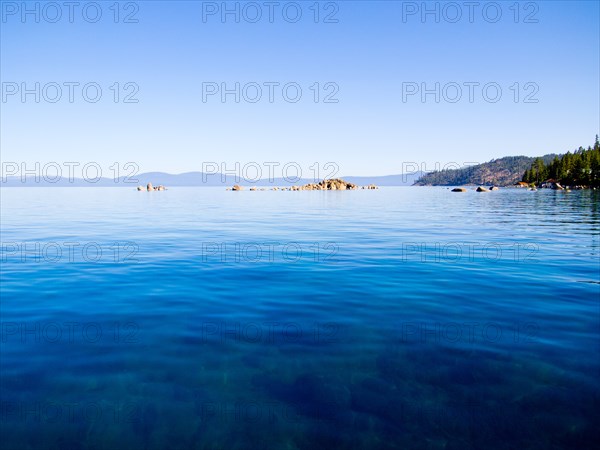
[581, 167]
[499, 172]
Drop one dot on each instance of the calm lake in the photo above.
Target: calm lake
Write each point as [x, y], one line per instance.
[197, 318]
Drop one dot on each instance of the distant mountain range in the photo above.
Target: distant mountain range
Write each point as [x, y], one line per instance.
[200, 179]
[498, 172]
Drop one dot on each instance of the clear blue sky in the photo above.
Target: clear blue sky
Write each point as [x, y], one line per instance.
[369, 53]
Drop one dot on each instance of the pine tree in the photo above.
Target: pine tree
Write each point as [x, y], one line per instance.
[539, 170]
[554, 167]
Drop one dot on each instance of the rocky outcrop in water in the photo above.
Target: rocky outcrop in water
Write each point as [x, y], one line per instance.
[333, 184]
[149, 188]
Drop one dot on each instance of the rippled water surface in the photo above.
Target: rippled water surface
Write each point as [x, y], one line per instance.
[399, 318]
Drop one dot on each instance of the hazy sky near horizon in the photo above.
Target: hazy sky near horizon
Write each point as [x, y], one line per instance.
[369, 56]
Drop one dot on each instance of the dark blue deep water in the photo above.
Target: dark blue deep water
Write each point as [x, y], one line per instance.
[203, 319]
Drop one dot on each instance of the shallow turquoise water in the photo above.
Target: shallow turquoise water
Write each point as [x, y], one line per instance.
[397, 318]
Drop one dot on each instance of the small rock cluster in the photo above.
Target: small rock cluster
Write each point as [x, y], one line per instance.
[149, 188]
[334, 184]
[479, 189]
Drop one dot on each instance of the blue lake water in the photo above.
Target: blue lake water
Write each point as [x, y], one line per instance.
[399, 318]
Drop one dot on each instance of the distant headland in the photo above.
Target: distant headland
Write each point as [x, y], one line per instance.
[577, 170]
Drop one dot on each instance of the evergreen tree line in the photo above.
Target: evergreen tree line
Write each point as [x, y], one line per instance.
[579, 168]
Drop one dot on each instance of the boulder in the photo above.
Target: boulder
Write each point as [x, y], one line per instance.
[481, 189]
[149, 187]
[459, 190]
[336, 184]
[161, 188]
[141, 188]
[237, 187]
[494, 188]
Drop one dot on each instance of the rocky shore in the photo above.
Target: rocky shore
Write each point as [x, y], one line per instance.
[554, 185]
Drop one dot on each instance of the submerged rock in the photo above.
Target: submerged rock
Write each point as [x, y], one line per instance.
[459, 190]
[494, 188]
[312, 395]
